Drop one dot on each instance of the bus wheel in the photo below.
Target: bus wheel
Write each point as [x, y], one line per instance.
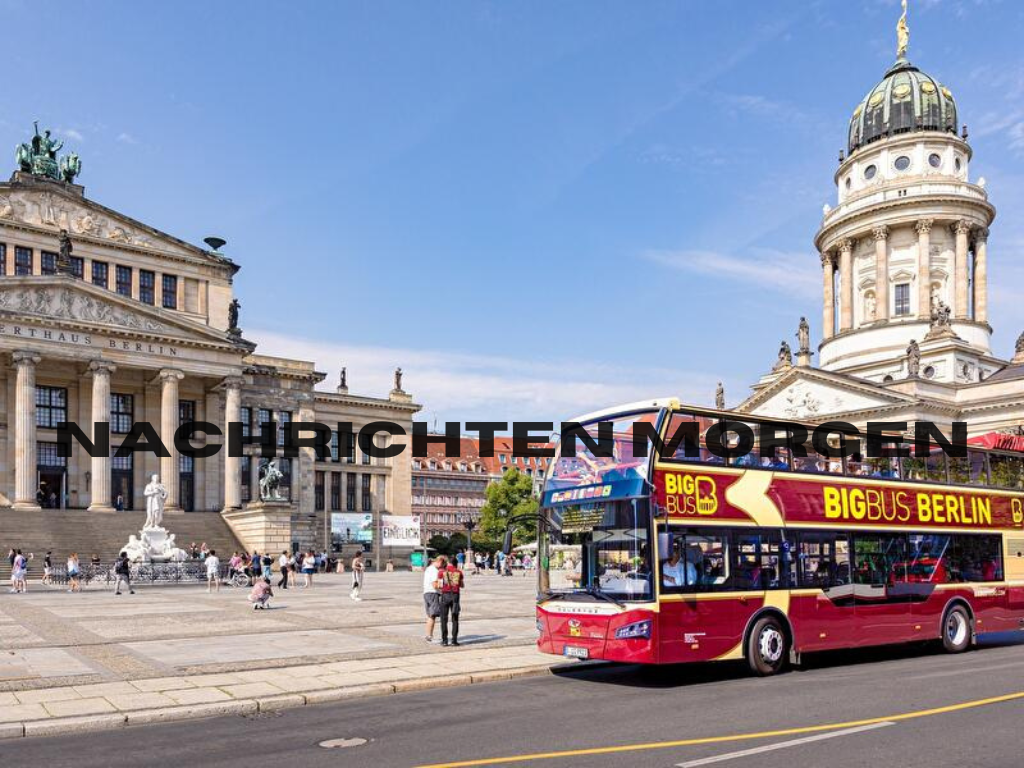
[767, 648]
[956, 630]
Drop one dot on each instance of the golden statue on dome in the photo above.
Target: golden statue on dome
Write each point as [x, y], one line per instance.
[902, 33]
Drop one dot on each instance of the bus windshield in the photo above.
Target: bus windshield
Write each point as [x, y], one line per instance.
[598, 517]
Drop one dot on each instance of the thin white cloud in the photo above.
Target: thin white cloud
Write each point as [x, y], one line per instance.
[454, 386]
[126, 138]
[789, 273]
[71, 133]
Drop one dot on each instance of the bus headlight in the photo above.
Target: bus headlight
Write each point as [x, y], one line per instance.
[634, 630]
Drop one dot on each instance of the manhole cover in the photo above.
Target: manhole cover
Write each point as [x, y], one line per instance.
[342, 743]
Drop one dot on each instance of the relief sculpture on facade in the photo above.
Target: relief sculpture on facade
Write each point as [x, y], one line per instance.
[66, 303]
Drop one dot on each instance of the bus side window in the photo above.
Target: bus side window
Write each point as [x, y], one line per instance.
[709, 553]
[823, 559]
[1006, 471]
[976, 557]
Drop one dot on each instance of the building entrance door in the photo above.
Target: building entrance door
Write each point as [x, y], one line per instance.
[187, 492]
[121, 485]
[52, 488]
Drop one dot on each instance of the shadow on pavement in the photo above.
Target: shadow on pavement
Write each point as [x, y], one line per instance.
[683, 675]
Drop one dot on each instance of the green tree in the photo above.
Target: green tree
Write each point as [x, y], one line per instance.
[440, 543]
[510, 496]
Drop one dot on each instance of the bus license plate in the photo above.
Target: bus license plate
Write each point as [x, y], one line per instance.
[576, 652]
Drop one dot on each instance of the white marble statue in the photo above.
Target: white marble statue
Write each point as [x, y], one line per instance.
[156, 495]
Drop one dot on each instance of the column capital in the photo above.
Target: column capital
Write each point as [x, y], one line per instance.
[25, 357]
[961, 227]
[101, 367]
[171, 374]
[827, 259]
[981, 235]
[924, 226]
[880, 233]
[233, 382]
[845, 244]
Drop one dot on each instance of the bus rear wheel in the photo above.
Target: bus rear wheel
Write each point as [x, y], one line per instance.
[956, 630]
[767, 647]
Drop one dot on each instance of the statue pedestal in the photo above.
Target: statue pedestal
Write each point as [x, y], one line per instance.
[155, 544]
[264, 526]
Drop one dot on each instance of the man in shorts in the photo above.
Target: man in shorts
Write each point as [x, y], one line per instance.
[432, 593]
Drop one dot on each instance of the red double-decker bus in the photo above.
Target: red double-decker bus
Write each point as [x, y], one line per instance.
[676, 558]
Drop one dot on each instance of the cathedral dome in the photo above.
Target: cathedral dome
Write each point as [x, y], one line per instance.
[906, 100]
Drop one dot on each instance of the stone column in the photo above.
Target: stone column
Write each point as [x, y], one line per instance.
[962, 285]
[881, 235]
[828, 318]
[845, 284]
[232, 464]
[981, 276]
[170, 469]
[99, 500]
[25, 480]
[924, 269]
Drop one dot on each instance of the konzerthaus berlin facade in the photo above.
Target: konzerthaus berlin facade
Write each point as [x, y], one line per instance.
[138, 325]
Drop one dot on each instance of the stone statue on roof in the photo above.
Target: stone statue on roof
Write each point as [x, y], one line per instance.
[913, 359]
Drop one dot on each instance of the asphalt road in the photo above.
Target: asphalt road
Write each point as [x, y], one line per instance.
[867, 708]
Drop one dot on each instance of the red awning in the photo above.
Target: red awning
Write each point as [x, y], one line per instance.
[999, 441]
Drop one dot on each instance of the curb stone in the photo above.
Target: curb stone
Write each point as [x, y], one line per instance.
[83, 723]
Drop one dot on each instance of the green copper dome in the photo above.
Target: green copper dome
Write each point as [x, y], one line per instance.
[906, 100]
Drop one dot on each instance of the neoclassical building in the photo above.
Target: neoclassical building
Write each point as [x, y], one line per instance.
[104, 318]
[904, 257]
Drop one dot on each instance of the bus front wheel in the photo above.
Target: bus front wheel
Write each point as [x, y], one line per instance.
[956, 630]
[767, 647]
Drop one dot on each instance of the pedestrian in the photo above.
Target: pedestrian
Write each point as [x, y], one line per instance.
[212, 571]
[234, 564]
[73, 573]
[478, 560]
[261, 594]
[308, 566]
[452, 583]
[123, 572]
[10, 556]
[460, 558]
[358, 566]
[193, 551]
[267, 564]
[203, 551]
[282, 562]
[432, 594]
[18, 568]
[119, 503]
[48, 569]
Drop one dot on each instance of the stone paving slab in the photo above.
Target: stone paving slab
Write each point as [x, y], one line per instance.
[92, 661]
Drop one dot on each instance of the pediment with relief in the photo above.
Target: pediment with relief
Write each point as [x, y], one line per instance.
[816, 397]
[81, 217]
[70, 300]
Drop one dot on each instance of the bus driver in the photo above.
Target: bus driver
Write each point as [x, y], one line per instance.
[676, 572]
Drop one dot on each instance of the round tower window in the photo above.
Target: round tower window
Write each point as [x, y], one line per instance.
[849, 182]
[902, 163]
[934, 160]
[929, 372]
[870, 171]
[958, 165]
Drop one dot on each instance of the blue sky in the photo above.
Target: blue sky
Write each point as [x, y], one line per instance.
[535, 208]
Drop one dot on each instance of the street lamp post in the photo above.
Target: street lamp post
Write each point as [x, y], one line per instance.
[470, 524]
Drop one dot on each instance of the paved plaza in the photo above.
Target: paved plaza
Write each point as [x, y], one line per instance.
[96, 659]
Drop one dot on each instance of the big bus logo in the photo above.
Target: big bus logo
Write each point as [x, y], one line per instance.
[690, 494]
[1017, 506]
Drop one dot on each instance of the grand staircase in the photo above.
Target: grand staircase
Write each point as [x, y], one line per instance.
[99, 533]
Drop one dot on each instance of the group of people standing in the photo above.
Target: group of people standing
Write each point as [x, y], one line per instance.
[292, 564]
[443, 582]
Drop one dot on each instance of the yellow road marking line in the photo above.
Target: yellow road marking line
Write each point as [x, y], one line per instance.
[734, 737]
